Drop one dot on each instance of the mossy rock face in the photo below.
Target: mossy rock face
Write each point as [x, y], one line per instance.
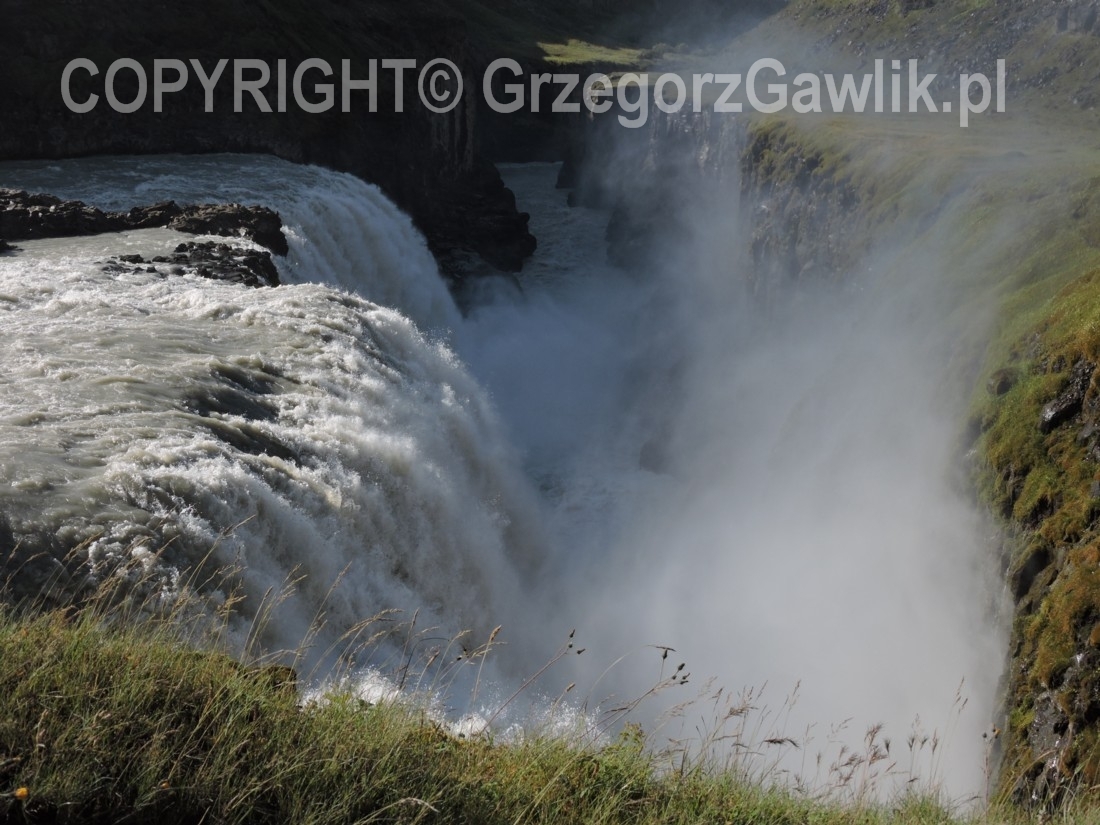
[1041, 449]
[807, 223]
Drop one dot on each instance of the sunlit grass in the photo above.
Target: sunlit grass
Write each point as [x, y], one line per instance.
[105, 722]
[575, 51]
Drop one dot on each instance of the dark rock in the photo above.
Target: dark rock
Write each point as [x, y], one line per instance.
[1002, 381]
[217, 261]
[148, 217]
[257, 223]
[1069, 403]
[1058, 411]
[491, 227]
[1024, 576]
[1045, 783]
[4, 245]
[26, 216]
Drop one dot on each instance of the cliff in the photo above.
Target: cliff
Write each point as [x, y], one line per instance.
[429, 164]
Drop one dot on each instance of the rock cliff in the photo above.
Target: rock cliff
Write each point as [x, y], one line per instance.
[428, 163]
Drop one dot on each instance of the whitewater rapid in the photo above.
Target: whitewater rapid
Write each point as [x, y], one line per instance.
[302, 440]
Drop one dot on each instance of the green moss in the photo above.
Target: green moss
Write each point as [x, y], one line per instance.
[575, 51]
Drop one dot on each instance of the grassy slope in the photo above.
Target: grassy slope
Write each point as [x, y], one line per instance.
[101, 725]
[558, 33]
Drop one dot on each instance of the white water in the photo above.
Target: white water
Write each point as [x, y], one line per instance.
[388, 473]
[344, 233]
[772, 492]
[636, 455]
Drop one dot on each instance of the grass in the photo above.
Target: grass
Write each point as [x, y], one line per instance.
[130, 708]
[580, 52]
[127, 722]
[561, 34]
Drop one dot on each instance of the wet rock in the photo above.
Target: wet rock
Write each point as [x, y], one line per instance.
[217, 261]
[1058, 411]
[149, 217]
[491, 227]
[1069, 403]
[1070, 706]
[27, 216]
[1051, 733]
[4, 245]
[1024, 576]
[257, 223]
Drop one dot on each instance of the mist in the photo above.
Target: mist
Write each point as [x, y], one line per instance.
[772, 488]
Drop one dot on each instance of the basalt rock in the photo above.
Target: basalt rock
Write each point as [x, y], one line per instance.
[151, 217]
[217, 261]
[257, 223]
[26, 216]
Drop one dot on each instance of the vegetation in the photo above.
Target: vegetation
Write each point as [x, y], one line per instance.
[110, 722]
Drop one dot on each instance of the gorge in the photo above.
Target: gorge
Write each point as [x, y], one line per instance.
[809, 400]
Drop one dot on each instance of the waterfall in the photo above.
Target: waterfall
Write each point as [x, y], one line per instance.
[151, 423]
[640, 455]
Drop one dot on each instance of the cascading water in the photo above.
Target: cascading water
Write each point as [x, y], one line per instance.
[344, 233]
[299, 432]
[630, 453]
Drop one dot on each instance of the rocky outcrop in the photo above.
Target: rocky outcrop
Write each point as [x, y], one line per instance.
[26, 217]
[257, 223]
[217, 261]
[657, 180]
[1069, 402]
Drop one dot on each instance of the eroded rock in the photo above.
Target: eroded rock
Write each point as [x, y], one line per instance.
[1070, 401]
[28, 216]
[217, 261]
[257, 223]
